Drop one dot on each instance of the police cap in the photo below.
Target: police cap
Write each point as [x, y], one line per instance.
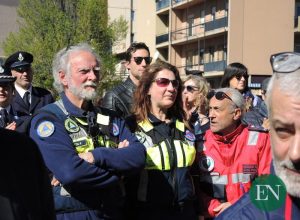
[20, 58]
[5, 76]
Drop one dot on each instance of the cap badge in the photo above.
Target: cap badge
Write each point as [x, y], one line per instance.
[1, 69]
[20, 58]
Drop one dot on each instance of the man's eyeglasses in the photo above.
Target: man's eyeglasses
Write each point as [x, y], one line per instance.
[219, 95]
[139, 60]
[164, 82]
[286, 62]
[21, 69]
[239, 76]
[190, 88]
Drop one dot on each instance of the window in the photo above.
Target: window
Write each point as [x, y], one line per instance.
[211, 54]
[226, 8]
[213, 13]
[190, 25]
[202, 17]
[201, 56]
[189, 59]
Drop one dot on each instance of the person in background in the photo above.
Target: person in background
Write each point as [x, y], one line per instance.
[164, 189]
[232, 155]
[258, 117]
[195, 103]
[283, 101]
[8, 115]
[25, 191]
[236, 77]
[27, 98]
[79, 142]
[119, 98]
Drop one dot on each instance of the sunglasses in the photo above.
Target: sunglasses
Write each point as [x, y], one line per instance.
[286, 62]
[139, 60]
[164, 82]
[218, 95]
[239, 76]
[190, 88]
[22, 69]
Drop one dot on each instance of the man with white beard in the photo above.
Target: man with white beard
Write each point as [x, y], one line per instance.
[283, 103]
[81, 144]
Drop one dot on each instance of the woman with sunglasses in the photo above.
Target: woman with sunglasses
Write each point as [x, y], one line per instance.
[236, 77]
[164, 189]
[195, 103]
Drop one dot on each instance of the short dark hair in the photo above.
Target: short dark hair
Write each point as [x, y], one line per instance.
[134, 47]
[233, 70]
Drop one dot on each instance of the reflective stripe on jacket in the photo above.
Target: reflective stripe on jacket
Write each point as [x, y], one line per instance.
[228, 164]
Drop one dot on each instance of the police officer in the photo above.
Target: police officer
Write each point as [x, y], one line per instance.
[72, 128]
[27, 99]
[8, 116]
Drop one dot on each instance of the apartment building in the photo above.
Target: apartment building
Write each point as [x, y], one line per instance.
[206, 35]
[140, 17]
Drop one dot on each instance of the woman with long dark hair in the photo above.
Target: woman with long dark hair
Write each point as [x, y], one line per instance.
[165, 188]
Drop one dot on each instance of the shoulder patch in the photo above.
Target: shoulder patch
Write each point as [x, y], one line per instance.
[71, 125]
[45, 129]
[189, 135]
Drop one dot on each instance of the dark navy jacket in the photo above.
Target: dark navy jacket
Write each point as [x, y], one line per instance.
[244, 209]
[39, 98]
[94, 186]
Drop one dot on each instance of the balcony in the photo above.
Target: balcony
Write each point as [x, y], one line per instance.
[188, 32]
[162, 4]
[215, 66]
[162, 38]
[216, 24]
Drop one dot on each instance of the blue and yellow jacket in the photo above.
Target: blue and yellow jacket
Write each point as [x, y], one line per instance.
[62, 134]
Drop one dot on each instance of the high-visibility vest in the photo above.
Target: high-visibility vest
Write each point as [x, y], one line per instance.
[167, 153]
[77, 129]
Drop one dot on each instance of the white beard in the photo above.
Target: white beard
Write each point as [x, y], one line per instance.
[292, 182]
[82, 92]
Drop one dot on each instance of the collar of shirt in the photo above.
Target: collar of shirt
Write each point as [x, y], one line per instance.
[22, 91]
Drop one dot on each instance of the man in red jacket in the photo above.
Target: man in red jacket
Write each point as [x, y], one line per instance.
[232, 154]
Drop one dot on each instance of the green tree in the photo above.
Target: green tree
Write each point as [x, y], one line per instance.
[46, 26]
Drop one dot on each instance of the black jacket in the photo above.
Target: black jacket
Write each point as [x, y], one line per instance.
[120, 98]
[25, 191]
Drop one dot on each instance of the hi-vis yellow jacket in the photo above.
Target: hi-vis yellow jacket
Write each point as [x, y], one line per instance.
[166, 180]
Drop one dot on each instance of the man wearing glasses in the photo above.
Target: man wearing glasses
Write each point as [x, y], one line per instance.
[27, 99]
[283, 103]
[119, 98]
[232, 155]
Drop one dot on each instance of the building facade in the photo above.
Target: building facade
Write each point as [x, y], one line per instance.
[206, 35]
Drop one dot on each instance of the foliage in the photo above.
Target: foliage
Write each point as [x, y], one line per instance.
[46, 26]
